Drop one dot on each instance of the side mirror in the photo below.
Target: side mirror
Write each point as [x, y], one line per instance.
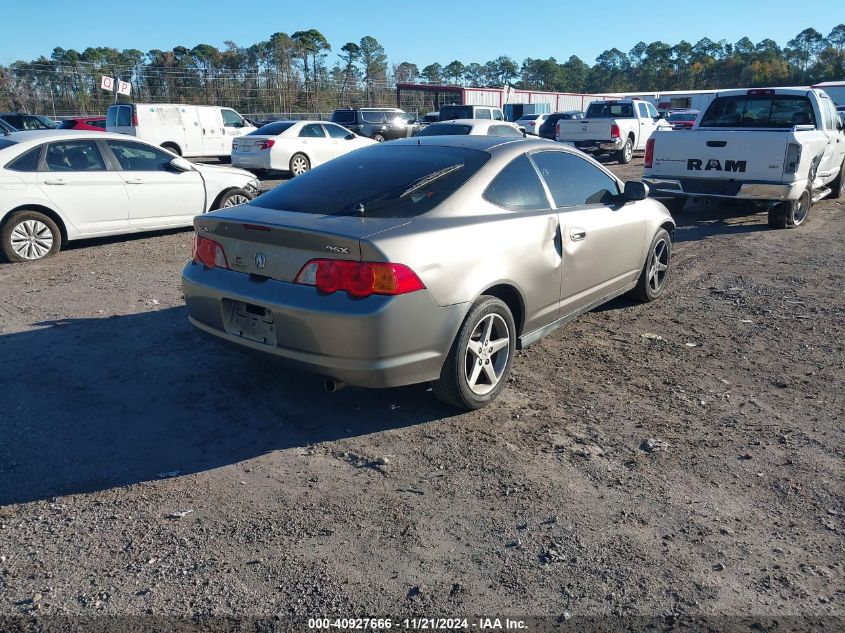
[350, 137]
[180, 164]
[635, 190]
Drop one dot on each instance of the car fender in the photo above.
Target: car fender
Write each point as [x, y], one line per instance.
[30, 200]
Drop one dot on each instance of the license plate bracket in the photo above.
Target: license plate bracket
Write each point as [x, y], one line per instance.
[249, 321]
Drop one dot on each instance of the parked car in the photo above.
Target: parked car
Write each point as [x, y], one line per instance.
[26, 122]
[619, 127]
[379, 124]
[294, 146]
[5, 128]
[62, 185]
[782, 148]
[89, 124]
[451, 112]
[428, 119]
[473, 127]
[186, 130]
[682, 119]
[531, 122]
[548, 129]
[371, 273]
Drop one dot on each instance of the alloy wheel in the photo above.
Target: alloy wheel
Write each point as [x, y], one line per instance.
[659, 265]
[32, 239]
[487, 353]
[235, 200]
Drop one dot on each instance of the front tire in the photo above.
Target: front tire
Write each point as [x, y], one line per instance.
[378, 138]
[624, 155]
[480, 360]
[233, 198]
[29, 236]
[792, 213]
[299, 164]
[655, 273]
[837, 187]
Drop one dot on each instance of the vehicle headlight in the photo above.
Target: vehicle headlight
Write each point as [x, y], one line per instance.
[254, 186]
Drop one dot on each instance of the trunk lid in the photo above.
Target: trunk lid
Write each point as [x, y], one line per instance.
[277, 244]
[738, 155]
[249, 144]
[584, 130]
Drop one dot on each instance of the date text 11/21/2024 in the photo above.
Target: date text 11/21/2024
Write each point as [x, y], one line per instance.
[416, 624]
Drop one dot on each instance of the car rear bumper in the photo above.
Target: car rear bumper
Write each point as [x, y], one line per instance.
[378, 341]
[252, 160]
[597, 146]
[717, 188]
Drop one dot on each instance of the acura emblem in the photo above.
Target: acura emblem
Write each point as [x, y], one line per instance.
[260, 260]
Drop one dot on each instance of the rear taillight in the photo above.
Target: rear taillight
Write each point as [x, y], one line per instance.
[614, 131]
[266, 144]
[649, 154]
[359, 279]
[209, 253]
[134, 116]
[557, 129]
[793, 158]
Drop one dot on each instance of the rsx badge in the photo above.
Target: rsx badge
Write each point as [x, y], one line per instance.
[338, 249]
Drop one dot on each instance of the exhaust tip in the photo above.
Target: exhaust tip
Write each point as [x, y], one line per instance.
[331, 385]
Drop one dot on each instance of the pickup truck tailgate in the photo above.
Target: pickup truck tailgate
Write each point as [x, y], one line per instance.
[584, 130]
[728, 155]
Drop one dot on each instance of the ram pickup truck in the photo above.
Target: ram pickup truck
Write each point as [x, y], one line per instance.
[782, 148]
[618, 127]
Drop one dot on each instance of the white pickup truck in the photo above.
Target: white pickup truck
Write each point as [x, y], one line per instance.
[782, 148]
[619, 127]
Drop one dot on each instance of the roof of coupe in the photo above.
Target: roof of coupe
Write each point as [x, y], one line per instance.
[34, 137]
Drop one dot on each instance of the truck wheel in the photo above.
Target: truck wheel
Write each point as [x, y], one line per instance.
[792, 213]
[837, 187]
[480, 360]
[624, 155]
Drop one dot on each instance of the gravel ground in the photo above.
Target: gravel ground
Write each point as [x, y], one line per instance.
[678, 458]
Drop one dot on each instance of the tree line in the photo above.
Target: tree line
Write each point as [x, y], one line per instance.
[292, 73]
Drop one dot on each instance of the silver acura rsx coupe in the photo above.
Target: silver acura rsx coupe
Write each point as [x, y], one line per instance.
[425, 259]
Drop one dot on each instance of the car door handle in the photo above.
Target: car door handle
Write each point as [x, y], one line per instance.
[55, 181]
[134, 181]
[576, 235]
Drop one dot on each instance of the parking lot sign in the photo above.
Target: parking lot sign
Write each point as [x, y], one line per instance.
[124, 88]
[107, 83]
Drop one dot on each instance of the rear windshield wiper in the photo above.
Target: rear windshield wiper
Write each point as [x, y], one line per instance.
[427, 180]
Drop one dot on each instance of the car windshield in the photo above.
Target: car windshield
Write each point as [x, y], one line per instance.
[343, 116]
[67, 124]
[382, 181]
[759, 111]
[610, 110]
[449, 113]
[447, 129]
[272, 129]
[682, 116]
[529, 117]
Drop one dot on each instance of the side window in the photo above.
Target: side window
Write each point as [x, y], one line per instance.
[335, 131]
[28, 161]
[111, 116]
[651, 110]
[231, 119]
[497, 115]
[369, 116]
[74, 156]
[124, 116]
[312, 130]
[483, 113]
[573, 181]
[139, 157]
[517, 187]
[829, 114]
[643, 110]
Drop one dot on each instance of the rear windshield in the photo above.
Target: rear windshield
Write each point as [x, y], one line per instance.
[448, 129]
[529, 117]
[67, 125]
[343, 116]
[272, 129]
[450, 113]
[381, 181]
[610, 110]
[682, 117]
[759, 111]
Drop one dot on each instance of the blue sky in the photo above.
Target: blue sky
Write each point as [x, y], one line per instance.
[420, 32]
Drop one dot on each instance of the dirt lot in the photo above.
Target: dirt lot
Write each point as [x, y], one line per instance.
[678, 458]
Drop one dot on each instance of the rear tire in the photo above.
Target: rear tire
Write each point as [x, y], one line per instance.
[299, 164]
[624, 155]
[472, 376]
[837, 187]
[792, 213]
[655, 273]
[29, 236]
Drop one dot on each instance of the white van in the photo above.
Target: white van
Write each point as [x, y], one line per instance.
[186, 130]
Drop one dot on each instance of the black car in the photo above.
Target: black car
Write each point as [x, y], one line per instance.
[25, 122]
[547, 130]
[379, 124]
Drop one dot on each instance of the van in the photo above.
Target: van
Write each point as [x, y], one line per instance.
[452, 112]
[186, 130]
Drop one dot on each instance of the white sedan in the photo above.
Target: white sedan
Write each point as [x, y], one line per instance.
[472, 127]
[62, 185]
[532, 122]
[294, 146]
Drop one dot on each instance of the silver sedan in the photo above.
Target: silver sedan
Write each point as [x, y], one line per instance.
[425, 259]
